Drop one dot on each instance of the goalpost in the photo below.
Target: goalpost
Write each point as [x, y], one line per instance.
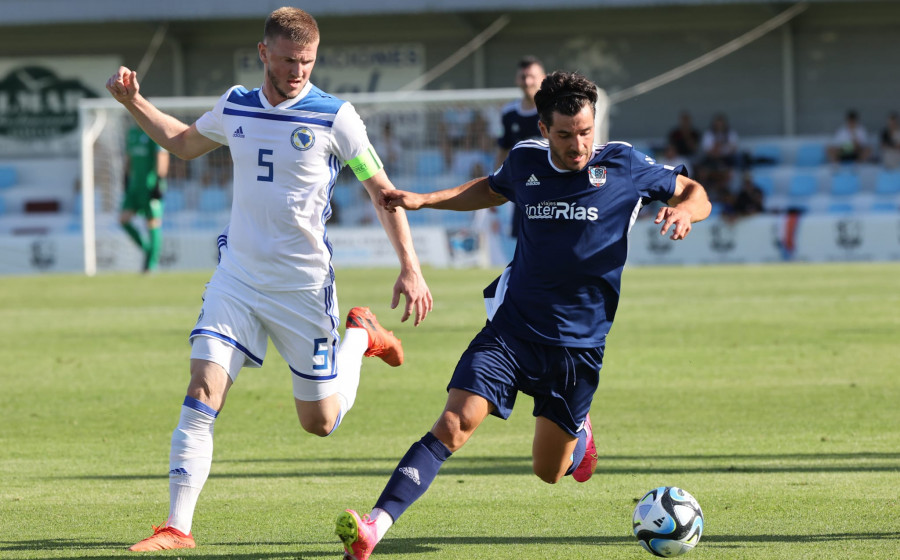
[427, 140]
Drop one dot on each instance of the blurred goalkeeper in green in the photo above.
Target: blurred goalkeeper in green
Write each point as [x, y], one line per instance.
[145, 183]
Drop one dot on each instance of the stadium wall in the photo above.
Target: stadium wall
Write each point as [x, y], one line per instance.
[760, 239]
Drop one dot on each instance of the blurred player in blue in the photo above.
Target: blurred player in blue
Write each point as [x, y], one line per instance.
[520, 118]
[549, 312]
[288, 141]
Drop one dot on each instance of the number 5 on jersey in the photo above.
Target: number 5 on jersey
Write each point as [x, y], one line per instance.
[268, 166]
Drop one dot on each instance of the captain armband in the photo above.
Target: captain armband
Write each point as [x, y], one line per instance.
[366, 165]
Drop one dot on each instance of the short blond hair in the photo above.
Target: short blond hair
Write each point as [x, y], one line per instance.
[293, 23]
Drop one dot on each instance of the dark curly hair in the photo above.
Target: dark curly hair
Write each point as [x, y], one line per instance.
[565, 93]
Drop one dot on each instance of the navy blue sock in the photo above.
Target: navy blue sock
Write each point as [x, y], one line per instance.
[413, 475]
[578, 454]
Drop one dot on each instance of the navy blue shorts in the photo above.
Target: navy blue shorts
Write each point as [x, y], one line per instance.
[562, 380]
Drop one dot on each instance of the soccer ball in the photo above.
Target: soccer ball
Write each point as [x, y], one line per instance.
[668, 521]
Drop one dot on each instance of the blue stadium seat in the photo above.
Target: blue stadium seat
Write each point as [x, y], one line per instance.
[766, 154]
[174, 200]
[802, 185]
[343, 195]
[845, 183]
[887, 182]
[429, 162]
[644, 148]
[212, 199]
[810, 154]
[840, 208]
[765, 181]
[8, 176]
[418, 218]
[882, 207]
[456, 219]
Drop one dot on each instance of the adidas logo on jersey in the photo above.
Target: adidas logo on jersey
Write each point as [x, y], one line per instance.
[412, 473]
[239, 133]
[532, 181]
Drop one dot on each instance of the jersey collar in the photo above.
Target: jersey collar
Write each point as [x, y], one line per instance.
[287, 103]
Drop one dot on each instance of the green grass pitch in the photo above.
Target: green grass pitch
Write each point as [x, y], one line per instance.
[771, 393]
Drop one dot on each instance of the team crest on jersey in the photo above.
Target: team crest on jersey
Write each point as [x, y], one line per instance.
[597, 175]
[303, 138]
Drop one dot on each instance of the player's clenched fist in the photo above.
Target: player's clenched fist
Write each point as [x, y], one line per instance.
[123, 85]
[393, 199]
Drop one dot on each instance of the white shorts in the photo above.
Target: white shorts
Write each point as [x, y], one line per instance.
[302, 324]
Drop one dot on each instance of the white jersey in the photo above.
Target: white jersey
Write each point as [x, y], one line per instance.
[286, 161]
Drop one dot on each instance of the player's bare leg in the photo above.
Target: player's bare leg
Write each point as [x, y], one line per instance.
[556, 453]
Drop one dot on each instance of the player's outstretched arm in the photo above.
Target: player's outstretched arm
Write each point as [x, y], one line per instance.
[473, 195]
[173, 135]
[689, 204]
[410, 283]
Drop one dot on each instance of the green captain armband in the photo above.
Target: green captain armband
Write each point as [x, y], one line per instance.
[366, 165]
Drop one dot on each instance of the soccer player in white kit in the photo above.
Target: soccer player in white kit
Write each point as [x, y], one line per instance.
[288, 141]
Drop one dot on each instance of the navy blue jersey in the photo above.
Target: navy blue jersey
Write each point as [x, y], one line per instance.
[517, 125]
[562, 287]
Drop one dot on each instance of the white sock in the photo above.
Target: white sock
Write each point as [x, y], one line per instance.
[383, 522]
[189, 463]
[348, 363]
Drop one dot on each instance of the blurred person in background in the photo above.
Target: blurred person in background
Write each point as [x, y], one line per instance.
[520, 118]
[146, 168]
[890, 142]
[850, 143]
[719, 156]
[747, 201]
[685, 138]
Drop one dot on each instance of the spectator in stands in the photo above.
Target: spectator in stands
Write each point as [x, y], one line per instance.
[719, 147]
[179, 172]
[452, 130]
[217, 170]
[890, 142]
[851, 141]
[475, 148]
[684, 138]
[146, 168]
[747, 201]
[388, 147]
[671, 156]
[520, 118]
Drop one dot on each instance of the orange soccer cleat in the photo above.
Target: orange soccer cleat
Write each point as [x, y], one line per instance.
[164, 538]
[382, 342]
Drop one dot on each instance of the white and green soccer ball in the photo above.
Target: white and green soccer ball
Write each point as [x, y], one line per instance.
[668, 521]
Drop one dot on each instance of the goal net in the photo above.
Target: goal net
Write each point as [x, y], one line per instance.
[428, 140]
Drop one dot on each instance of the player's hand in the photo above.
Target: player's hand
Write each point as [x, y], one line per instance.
[123, 85]
[679, 221]
[393, 199]
[412, 285]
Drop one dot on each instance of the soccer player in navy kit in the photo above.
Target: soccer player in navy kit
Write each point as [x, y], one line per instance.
[551, 309]
[275, 281]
